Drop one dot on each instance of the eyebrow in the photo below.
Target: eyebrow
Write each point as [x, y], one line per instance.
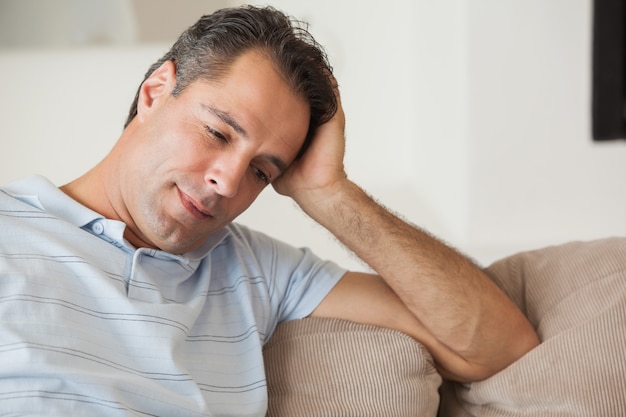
[226, 118]
[277, 162]
[230, 120]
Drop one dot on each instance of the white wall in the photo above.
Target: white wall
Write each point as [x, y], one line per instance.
[536, 176]
[469, 117]
[61, 110]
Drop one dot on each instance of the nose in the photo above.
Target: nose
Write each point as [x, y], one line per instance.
[226, 177]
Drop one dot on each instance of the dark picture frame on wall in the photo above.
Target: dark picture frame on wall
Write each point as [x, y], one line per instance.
[609, 70]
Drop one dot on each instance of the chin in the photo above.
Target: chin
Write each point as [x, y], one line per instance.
[181, 246]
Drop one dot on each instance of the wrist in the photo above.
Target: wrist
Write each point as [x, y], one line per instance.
[320, 203]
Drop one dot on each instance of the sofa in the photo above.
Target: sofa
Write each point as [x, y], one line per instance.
[574, 294]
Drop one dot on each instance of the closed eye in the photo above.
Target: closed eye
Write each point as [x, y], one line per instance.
[260, 175]
[216, 134]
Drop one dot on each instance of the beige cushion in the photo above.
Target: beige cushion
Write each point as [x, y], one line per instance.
[327, 367]
[575, 296]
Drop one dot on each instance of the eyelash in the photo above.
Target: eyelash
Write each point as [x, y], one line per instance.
[262, 176]
[215, 134]
[258, 173]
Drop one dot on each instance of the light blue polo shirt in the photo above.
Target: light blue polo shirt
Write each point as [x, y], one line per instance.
[90, 326]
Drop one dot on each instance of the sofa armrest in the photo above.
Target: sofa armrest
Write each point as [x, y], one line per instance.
[328, 367]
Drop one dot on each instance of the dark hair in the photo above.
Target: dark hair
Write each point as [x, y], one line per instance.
[209, 47]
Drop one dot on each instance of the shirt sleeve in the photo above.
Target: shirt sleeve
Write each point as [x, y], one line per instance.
[297, 279]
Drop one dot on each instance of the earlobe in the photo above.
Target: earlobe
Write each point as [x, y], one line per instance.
[158, 84]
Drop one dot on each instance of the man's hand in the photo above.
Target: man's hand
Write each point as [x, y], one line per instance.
[318, 173]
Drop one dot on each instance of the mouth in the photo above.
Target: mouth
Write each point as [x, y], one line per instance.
[193, 207]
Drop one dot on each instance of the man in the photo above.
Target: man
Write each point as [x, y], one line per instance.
[129, 291]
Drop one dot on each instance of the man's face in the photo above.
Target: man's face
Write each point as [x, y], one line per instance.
[194, 162]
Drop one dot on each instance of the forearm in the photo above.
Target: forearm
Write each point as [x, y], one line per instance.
[450, 295]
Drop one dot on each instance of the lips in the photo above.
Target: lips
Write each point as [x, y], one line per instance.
[194, 208]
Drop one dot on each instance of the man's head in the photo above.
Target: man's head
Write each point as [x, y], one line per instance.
[206, 50]
[217, 119]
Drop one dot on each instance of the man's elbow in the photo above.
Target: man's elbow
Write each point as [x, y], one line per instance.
[481, 366]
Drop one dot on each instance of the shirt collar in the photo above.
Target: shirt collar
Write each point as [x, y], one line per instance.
[41, 193]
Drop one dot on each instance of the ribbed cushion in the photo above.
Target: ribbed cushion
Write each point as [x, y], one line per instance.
[330, 368]
[575, 296]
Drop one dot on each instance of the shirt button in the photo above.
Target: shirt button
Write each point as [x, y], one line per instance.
[98, 228]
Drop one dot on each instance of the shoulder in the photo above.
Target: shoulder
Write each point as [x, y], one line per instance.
[269, 252]
[241, 237]
[21, 214]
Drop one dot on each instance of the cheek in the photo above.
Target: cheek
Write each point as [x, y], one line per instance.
[246, 196]
[173, 150]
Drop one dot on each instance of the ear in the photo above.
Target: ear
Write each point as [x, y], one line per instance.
[158, 85]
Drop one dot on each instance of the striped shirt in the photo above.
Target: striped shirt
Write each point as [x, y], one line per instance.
[90, 326]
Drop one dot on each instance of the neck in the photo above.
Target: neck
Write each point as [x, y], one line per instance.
[90, 191]
[98, 188]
